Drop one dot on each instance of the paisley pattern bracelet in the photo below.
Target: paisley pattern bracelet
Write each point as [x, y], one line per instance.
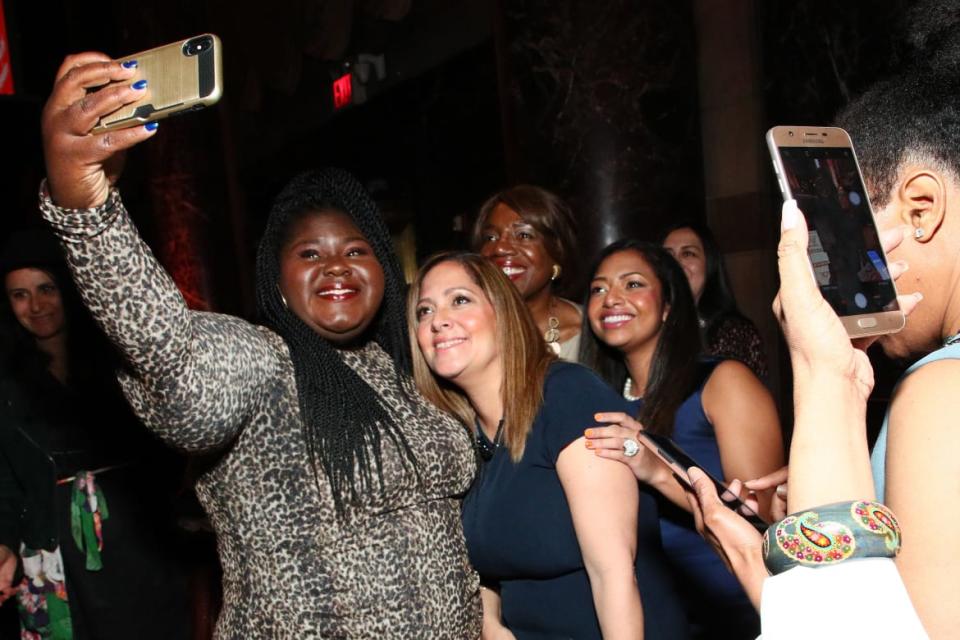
[830, 534]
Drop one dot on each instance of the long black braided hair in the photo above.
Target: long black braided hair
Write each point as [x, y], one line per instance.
[343, 418]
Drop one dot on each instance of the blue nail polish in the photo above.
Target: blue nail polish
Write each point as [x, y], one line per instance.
[151, 126]
[129, 64]
[139, 85]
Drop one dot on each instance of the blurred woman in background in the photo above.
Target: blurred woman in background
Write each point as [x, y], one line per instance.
[83, 510]
[726, 332]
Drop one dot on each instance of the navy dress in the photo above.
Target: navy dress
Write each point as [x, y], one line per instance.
[713, 598]
[520, 533]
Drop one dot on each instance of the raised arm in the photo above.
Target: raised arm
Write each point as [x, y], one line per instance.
[193, 377]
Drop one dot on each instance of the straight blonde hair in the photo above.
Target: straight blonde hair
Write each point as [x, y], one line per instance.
[523, 352]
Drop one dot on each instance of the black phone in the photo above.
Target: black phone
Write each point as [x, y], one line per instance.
[679, 461]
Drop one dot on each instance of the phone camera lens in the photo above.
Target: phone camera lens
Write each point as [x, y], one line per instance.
[197, 45]
[790, 133]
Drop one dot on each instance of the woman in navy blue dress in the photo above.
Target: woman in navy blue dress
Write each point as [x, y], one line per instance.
[641, 335]
[564, 542]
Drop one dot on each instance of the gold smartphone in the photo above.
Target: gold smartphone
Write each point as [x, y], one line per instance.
[818, 168]
[181, 77]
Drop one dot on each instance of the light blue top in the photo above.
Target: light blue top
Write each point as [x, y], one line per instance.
[878, 459]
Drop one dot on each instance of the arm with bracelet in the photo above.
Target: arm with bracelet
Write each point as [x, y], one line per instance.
[838, 540]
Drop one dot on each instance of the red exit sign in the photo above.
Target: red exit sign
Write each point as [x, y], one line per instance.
[6, 70]
[342, 91]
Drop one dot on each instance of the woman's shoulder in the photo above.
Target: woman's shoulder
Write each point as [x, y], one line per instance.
[571, 384]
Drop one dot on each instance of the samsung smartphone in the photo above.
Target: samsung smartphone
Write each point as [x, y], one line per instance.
[181, 77]
[679, 461]
[818, 168]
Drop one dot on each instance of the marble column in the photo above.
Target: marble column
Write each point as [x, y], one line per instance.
[598, 101]
[740, 208]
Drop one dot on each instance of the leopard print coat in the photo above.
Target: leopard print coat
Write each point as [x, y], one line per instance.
[394, 566]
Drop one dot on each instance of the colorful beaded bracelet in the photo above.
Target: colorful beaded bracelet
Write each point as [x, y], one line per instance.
[830, 534]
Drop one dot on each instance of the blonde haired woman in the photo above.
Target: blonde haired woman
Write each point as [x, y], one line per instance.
[554, 531]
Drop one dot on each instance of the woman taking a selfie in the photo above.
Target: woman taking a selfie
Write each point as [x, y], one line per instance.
[554, 531]
[641, 336]
[529, 233]
[328, 522]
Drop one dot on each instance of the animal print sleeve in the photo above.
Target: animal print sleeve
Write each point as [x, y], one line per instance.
[192, 377]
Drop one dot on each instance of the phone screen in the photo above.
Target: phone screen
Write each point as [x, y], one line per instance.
[678, 459]
[844, 249]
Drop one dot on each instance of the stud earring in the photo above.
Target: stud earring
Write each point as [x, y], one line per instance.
[556, 272]
[918, 233]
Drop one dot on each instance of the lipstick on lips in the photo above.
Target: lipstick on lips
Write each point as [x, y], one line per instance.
[338, 292]
[511, 269]
[615, 320]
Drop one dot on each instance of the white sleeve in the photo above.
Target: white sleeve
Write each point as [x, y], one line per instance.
[854, 599]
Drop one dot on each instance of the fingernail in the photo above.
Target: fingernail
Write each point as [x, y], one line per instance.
[918, 295]
[789, 214]
[151, 126]
[596, 416]
[139, 85]
[589, 444]
[129, 64]
[588, 433]
[903, 264]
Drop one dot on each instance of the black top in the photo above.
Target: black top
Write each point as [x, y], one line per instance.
[520, 531]
[48, 432]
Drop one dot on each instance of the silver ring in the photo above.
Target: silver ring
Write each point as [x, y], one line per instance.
[630, 448]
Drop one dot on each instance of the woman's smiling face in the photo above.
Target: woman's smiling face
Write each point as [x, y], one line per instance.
[329, 275]
[626, 307]
[456, 326]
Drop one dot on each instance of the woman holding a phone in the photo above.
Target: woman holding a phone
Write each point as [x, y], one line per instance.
[641, 334]
[335, 491]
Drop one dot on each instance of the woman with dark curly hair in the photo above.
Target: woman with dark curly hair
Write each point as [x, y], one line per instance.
[84, 497]
[336, 494]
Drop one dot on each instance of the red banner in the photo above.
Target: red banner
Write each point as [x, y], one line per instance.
[6, 70]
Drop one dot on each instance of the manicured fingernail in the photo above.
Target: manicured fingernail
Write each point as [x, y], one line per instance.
[789, 214]
[139, 85]
[589, 444]
[903, 264]
[588, 433]
[598, 416]
[151, 126]
[918, 295]
[129, 64]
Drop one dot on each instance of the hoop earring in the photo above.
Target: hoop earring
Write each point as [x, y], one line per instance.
[556, 272]
[282, 298]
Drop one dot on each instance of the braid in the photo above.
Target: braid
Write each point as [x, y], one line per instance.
[343, 419]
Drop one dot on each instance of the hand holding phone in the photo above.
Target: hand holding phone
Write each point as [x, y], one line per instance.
[179, 77]
[817, 167]
[679, 461]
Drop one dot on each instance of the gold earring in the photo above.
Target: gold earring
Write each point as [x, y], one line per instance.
[282, 298]
[556, 272]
